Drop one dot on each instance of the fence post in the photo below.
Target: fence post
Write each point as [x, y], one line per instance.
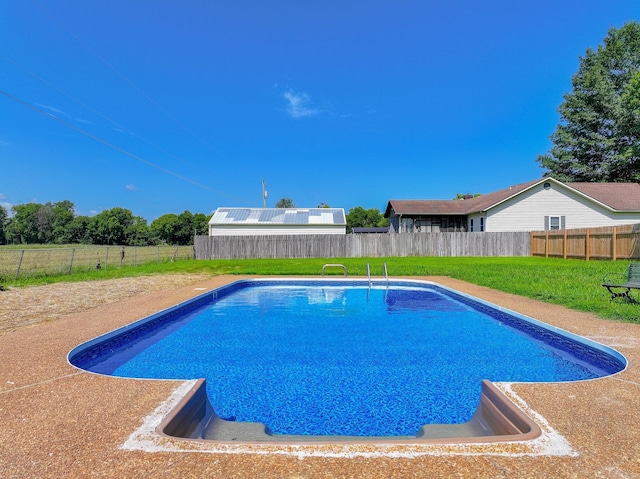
[614, 240]
[157, 254]
[546, 244]
[19, 263]
[530, 243]
[135, 256]
[564, 245]
[587, 246]
[106, 259]
[73, 252]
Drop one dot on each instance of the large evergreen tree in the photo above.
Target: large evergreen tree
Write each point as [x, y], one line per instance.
[598, 138]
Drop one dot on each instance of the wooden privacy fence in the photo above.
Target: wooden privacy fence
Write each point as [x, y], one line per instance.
[609, 242]
[362, 245]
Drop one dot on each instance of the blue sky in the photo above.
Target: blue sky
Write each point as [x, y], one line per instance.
[163, 106]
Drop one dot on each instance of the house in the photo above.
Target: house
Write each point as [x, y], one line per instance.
[277, 221]
[544, 204]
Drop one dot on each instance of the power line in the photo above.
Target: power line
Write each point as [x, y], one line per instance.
[93, 110]
[124, 77]
[110, 145]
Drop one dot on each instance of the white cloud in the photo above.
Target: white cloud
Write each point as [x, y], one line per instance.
[130, 187]
[56, 112]
[300, 104]
[53, 110]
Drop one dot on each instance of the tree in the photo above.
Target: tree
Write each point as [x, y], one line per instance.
[358, 217]
[77, 230]
[285, 203]
[38, 223]
[137, 233]
[165, 228]
[4, 217]
[598, 138]
[179, 229]
[110, 226]
[186, 228]
[466, 196]
[22, 228]
[64, 213]
[201, 223]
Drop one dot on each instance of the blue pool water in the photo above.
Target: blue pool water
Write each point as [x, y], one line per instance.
[334, 359]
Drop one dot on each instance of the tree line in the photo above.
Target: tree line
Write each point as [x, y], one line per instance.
[57, 223]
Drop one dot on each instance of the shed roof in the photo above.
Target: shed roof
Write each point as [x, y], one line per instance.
[279, 216]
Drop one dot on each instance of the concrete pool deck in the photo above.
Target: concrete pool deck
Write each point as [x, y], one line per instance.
[57, 421]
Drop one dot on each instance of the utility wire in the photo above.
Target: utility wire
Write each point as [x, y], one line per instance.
[124, 77]
[93, 110]
[106, 143]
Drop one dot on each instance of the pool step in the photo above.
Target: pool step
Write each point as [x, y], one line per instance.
[497, 419]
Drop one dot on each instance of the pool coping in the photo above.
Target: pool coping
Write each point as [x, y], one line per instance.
[59, 422]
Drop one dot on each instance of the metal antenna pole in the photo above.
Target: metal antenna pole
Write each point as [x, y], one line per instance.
[264, 193]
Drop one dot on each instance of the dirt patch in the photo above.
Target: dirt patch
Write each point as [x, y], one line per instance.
[21, 307]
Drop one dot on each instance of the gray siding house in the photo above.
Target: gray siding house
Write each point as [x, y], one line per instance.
[544, 204]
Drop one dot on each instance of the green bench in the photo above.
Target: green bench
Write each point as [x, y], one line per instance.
[616, 282]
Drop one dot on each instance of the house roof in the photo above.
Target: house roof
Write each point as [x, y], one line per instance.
[616, 196]
[375, 229]
[279, 216]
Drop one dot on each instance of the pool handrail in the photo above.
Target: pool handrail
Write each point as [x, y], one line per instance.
[336, 265]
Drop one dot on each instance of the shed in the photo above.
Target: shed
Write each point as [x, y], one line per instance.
[277, 221]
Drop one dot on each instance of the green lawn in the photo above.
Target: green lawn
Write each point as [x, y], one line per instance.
[571, 283]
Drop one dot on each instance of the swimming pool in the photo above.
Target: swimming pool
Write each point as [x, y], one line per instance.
[343, 358]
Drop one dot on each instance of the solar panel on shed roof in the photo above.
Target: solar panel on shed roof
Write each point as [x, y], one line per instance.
[282, 216]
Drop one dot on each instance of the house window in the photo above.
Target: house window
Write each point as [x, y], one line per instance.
[481, 224]
[554, 222]
[471, 224]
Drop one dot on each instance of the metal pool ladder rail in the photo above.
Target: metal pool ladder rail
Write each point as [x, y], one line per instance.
[334, 265]
[384, 271]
